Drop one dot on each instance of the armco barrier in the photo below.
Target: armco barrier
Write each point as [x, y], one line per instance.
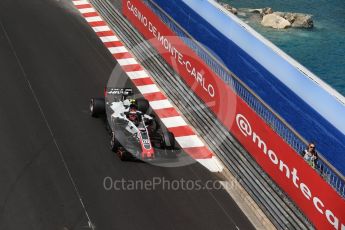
[323, 206]
[297, 142]
[259, 186]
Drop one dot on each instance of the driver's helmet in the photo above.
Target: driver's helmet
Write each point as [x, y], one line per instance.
[132, 115]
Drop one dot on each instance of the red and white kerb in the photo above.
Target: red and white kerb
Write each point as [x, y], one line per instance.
[184, 134]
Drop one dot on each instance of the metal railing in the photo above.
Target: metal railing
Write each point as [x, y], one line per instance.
[276, 122]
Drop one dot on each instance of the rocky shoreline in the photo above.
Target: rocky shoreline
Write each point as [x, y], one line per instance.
[274, 19]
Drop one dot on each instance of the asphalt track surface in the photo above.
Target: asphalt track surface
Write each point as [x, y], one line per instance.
[54, 156]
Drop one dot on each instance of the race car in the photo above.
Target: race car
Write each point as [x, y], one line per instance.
[134, 134]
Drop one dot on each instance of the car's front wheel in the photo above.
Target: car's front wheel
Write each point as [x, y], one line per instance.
[97, 107]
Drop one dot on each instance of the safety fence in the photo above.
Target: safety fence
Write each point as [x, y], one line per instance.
[277, 123]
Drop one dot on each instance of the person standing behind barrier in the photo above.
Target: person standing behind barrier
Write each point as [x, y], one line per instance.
[310, 155]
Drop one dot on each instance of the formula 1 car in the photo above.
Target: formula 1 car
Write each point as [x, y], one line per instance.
[134, 134]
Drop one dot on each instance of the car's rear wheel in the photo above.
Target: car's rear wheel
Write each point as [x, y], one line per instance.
[123, 155]
[168, 140]
[97, 107]
[118, 149]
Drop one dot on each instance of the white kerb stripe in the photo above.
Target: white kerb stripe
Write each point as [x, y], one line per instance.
[212, 164]
[148, 89]
[87, 10]
[116, 50]
[109, 39]
[101, 28]
[127, 61]
[137, 74]
[189, 141]
[77, 3]
[170, 122]
[160, 104]
[94, 19]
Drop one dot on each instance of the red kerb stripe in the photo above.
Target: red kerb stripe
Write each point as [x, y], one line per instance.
[131, 68]
[90, 14]
[83, 6]
[198, 152]
[113, 44]
[122, 55]
[155, 96]
[100, 23]
[182, 131]
[105, 33]
[143, 81]
[167, 112]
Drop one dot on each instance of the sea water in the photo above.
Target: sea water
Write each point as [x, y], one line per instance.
[320, 49]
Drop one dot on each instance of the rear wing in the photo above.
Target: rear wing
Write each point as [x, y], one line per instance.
[118, 91]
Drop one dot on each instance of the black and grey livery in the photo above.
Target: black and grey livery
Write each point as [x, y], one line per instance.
[141, 138]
